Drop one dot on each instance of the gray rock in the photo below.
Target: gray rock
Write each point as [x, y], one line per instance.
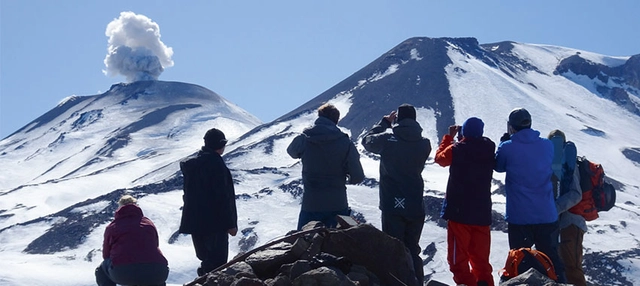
[280, 280]
[381, 254]
[531, 277]
[266, 263]
[245, 281]
[323, 276]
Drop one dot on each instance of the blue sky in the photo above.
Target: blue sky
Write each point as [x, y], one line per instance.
[269, 57]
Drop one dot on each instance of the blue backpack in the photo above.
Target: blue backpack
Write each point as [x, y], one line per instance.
[563, 164]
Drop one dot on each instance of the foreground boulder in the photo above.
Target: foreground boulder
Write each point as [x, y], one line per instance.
[531, 277]
[357, 255]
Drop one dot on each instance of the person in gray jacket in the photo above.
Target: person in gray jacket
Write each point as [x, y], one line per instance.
[572, 226]
[403, 154]
[329, 161]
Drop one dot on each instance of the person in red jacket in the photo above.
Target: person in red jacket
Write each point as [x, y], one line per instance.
[467, 203]
[130, 249]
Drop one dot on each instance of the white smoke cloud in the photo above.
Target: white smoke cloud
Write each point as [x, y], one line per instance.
[135, 49]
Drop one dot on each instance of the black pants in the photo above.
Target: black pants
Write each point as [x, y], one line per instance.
[211, 249]
[131, 274]
[545, 237]
[407, 230]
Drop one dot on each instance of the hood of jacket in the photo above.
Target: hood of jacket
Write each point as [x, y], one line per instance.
[527, 135]
[128, 210]
[323, 130]
[408, 130]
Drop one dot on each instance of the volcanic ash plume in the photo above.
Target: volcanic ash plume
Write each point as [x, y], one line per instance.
[135, 49]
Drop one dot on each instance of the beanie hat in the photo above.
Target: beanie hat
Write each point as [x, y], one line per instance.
[406, 111]
[214, 139]
[519, 119]
[472, 127]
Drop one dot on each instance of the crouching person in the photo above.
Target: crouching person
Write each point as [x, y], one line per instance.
[130, 249]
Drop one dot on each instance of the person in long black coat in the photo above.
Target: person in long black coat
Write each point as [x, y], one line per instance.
[209, 212]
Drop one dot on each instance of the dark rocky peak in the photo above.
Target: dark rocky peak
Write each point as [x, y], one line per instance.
[505, 47]
[412, 72]
[501, 56]
[582, 66]
[631, 71]
[614, 83]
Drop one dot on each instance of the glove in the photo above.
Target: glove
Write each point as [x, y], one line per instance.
[505, 137]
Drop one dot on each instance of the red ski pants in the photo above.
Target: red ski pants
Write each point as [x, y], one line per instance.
[468, 253]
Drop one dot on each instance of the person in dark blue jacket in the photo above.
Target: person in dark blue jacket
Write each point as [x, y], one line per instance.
[209, 212]
[329, 161]
[402, 157]
[531, 210]
[467, 203]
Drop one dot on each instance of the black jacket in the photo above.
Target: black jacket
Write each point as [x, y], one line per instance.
[329, 161]
[468, 197]
[402, 157]
[209, 196]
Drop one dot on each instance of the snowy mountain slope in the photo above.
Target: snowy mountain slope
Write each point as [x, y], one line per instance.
[447, 79]
[91, 145]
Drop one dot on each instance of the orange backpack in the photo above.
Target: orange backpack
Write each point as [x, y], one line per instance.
[521, 260]
[597, 195]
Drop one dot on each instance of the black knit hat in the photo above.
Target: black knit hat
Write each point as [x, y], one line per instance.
[519, 119]
[214, 139]
[406, 111]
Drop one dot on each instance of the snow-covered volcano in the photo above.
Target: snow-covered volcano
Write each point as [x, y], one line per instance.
[62, 173]
[88, 146]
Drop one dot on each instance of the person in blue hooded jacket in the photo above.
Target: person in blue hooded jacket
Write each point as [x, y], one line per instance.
[531, 210]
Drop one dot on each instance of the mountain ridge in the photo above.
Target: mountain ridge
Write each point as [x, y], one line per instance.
[447, 79]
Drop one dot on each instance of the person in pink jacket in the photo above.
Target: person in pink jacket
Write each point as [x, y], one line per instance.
[130, 249]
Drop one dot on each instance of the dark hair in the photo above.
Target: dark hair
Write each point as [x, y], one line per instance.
[329, 111]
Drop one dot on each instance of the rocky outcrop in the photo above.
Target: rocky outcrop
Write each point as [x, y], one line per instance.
[356, 255]
[617, 84]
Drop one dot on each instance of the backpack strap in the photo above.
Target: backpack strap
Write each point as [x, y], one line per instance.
[570, 156]
[558, 154]
[546, 263]
[585, 173]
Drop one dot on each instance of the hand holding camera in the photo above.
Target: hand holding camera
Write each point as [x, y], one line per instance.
[454, 129]
[391, 117]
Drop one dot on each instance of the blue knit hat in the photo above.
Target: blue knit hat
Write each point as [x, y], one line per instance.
[472, 127]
